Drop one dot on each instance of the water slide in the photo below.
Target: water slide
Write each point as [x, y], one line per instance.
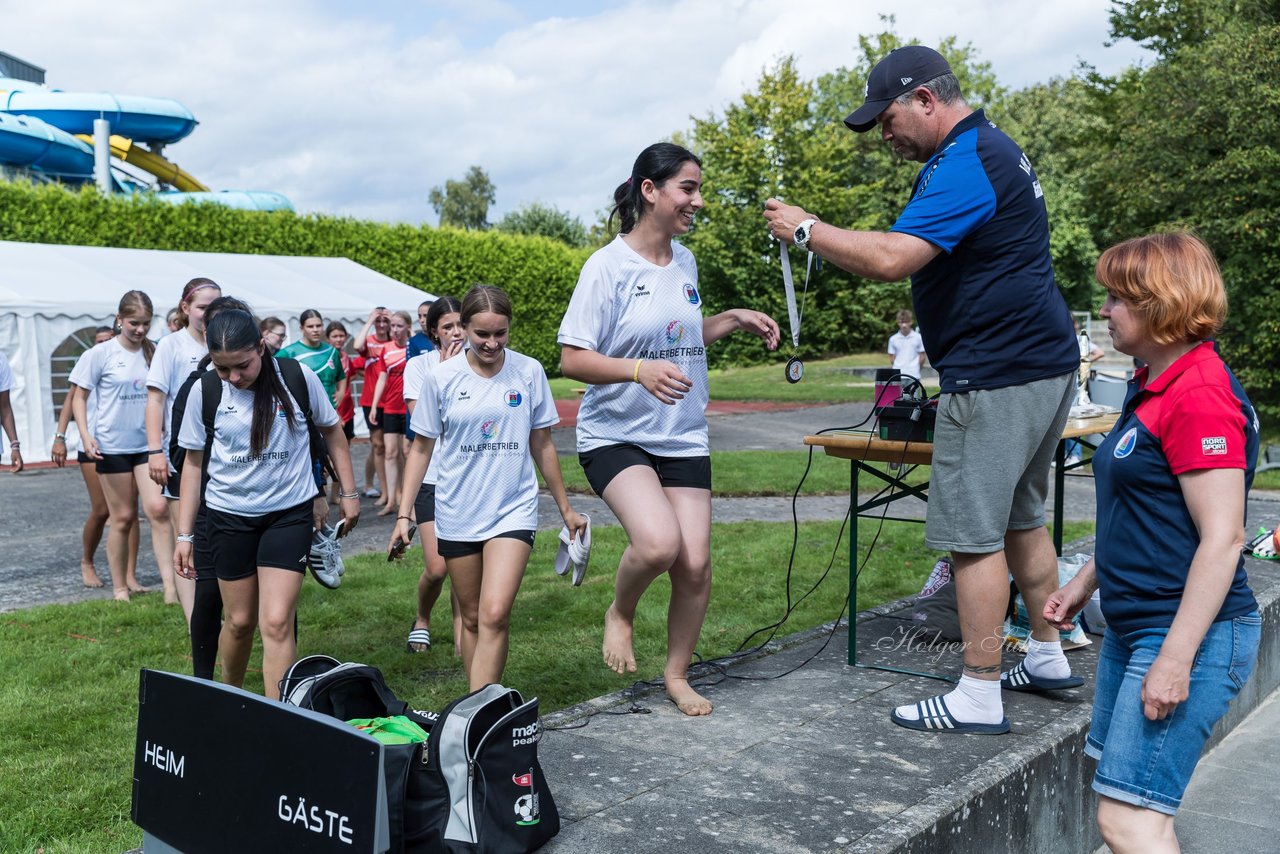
[48, 131]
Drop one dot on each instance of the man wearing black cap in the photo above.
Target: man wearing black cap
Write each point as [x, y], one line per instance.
[974, 238]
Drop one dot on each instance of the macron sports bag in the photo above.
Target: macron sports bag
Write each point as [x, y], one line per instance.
[484, 752]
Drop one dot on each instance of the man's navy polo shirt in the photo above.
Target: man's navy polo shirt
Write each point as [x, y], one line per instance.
[1193, 416]
[990, 312]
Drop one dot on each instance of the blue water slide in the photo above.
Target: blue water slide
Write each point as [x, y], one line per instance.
[245, 200]
[149, 120]
[34, 144]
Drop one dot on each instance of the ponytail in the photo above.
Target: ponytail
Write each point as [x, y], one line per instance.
[657, 163]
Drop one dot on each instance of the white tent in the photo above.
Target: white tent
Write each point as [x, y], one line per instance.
[48, 292]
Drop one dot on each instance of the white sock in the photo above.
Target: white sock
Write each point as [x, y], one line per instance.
[974, 701]
[1046, 659]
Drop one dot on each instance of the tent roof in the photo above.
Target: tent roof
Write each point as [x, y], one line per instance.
[53, 280]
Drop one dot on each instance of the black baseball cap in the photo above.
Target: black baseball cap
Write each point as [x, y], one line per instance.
[898, 73]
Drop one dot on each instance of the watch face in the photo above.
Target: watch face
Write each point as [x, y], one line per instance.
[801, 235]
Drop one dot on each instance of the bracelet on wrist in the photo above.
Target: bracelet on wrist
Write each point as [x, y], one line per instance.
[410, 518]
[186, 538]
[62, 436]
[15, 444]
[353, 494]
[153, 452]
[635, 375]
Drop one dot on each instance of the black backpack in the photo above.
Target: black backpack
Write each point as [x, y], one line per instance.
[491, 796]
[348, 691]
[211, 394]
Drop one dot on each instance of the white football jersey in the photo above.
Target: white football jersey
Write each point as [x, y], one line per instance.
[415, 371]
[486, 485]
[120, 379]
[627, 307]
[176, 356]
[248, 484]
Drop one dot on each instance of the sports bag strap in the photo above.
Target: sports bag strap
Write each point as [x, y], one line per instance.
[291, 370]
[210, 397]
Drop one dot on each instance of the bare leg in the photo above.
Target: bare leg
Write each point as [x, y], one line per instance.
[504, 561]
[1128, 829]
[982, 597]
[1034, 564]
[378, 453]
[464, 578]
[370, 471]
[636, 497]
[240, 618]
[277, 607]
[392, 464]
[131, 574]
[156, 506]
[122, 505]
[431, 581]
[94, 524]
[690, 594]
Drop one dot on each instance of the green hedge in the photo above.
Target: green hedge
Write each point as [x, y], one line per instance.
[538, 273]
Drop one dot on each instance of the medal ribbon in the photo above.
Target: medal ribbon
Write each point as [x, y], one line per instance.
[794, 315]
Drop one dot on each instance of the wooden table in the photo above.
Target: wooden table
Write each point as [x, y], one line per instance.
[861, 448]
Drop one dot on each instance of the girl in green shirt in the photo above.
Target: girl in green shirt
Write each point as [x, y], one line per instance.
[318, 355]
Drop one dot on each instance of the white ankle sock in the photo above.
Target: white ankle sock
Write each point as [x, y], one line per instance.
[1046, 659]
[974, 701]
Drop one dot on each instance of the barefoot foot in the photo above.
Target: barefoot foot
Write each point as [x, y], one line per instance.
[89, 575]
[121, 595]
[387, 510]
[617, 651]
[686, 699]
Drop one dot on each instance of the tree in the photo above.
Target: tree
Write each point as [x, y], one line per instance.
[465, 203]
[1192, 142]
[547, 221]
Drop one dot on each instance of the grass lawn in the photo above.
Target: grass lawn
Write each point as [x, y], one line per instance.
[824, 381]
[69, 697]
[756, 473]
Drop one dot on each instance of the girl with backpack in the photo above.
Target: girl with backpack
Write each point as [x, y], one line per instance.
[117, 370]
[176, 356]
[260, 492]
[490, 413]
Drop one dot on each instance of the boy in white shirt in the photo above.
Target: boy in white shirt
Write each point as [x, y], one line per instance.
[906, 348]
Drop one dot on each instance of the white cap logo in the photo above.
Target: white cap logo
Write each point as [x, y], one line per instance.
[906, 80]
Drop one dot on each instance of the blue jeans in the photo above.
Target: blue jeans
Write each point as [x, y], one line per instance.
[1149, 763]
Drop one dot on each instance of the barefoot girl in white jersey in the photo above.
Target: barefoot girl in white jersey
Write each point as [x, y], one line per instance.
[490, 412]
[177, 355]
[117, 369]
[444, 329]
[634, 330]
[259, 494]
[96, 522]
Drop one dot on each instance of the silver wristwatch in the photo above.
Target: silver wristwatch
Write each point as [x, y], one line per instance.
[802, 232]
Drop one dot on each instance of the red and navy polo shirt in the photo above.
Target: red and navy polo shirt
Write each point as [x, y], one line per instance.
[1193, 416]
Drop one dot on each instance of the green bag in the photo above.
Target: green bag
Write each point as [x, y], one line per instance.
[397, 729]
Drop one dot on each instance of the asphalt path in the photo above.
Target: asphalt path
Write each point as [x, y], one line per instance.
[42, 510]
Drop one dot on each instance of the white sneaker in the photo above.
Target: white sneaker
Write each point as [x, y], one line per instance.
[325, 558]
[574, 553]
[1072, 460]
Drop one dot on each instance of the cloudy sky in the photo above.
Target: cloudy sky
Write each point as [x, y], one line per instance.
[360, 109]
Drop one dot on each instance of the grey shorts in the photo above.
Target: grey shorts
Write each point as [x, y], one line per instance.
[991, 454]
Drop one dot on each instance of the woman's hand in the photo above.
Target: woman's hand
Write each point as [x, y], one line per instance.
[760, 325]
[182, 562]
[158, 468]
[576, 523]
[1064, 603]
[663, 380]
[1166, 684]
[15, 457]
[450, 349]
[350, 509]
[91, 448]
[319, 512]
[59, 452]
[401, 533]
